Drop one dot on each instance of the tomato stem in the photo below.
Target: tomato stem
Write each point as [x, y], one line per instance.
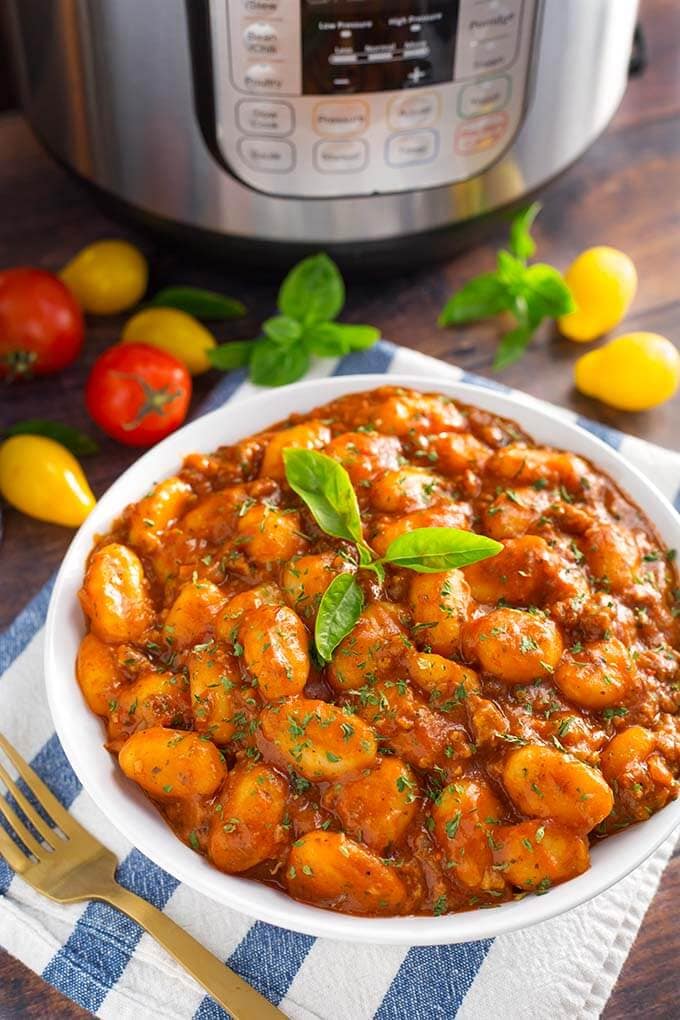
[20, 364]
[154, 400]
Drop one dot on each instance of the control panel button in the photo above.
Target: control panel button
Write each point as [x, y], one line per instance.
[345, 80]
[411, 148]
[261, 6]
[492, 54]
[488, 32]
[267, 155]
[344, 157]
[487, 96]
[413, 110]
[492, 18]
[261, 39]
[481, 133]
[420, 73]
[340, 118]
[264, 78]
[259, 117]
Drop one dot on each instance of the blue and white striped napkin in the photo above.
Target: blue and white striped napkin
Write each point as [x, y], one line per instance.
[104, 961]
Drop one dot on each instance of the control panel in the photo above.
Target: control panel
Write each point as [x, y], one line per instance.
[326, 98]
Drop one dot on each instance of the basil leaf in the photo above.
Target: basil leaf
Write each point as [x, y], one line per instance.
[432, 550]
[313, 291]
[325, 487]
[484, 296]
[75, 441]
[512, 346]
[358, 338]
[511, 271]
[333, 339]
[339, 611]
[203, 304]
[522, 244]
[232, 355]
[546, 293]
[282, 329]
[272, 364]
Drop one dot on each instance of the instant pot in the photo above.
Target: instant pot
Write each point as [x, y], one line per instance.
[380, 130]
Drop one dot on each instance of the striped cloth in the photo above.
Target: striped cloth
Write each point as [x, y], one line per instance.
[564, 968]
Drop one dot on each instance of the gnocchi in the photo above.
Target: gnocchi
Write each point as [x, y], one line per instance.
[318, 740]
[172, 764]
[115, 595]
[514, 645]
[246, 824]
[544, 783]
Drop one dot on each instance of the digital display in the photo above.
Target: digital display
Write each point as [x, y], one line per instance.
[376, 45]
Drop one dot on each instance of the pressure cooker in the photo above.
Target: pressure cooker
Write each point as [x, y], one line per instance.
[380, 130]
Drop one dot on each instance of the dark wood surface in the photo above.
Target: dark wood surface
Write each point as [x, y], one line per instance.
[623, 192]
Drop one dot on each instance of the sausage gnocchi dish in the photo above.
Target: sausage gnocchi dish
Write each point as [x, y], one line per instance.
[391, 656]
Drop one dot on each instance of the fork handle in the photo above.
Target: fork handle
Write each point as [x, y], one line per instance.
[233, 993]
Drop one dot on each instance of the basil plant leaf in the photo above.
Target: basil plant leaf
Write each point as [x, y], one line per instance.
[511, 271]
[339, 610]
[432, 550]
[522, 244]
[282, 329]
[202, 304]
[358, 338]
[334, 339]
[512, 346]
[325, 487]
[482, 297]
[77, 442]
[231, 355]
[272, 364]
[546, 292]
[313, 291]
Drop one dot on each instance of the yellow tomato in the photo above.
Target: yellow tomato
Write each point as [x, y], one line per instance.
[632, 373]
[603, 282]
[107, 277]
[173, 331]
[42, 479]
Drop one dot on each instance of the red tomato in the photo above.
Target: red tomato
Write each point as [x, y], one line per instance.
[41, 325]
[138, 394]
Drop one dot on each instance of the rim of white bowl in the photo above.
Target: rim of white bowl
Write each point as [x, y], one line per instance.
[138, 820]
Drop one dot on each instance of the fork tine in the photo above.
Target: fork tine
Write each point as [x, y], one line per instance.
[38, 823]
[29, 841]
[15, 857]
[46, 798]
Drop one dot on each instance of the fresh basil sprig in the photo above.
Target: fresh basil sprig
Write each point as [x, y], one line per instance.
[325, 487]
[77, 442]
[310, 298]
[202, 304]
[339, 610]
[531, 293]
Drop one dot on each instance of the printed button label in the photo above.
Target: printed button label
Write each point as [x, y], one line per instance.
[267, 155]
[411, 148]
[413, 110]
[340, 157]
[340, 118]
[257, 117]
[481, 133]
[482, 97]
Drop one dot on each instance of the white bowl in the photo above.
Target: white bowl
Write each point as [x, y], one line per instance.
[82, 735]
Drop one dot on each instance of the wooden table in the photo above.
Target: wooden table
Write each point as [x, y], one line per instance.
[623, 192]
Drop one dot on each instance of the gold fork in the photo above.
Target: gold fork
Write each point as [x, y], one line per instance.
[69, 865]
